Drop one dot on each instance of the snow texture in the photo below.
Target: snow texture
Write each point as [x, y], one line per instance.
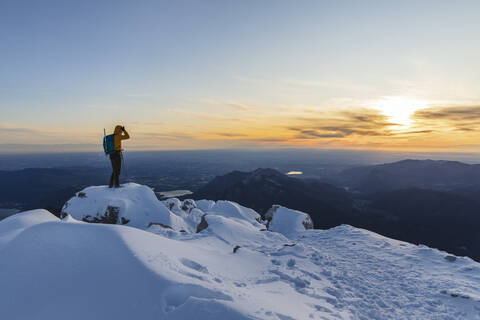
[287, 221]
[69, 269]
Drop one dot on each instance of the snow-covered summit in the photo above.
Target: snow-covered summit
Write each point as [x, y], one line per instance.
[217, 260]
[137, 206]
[132, 204]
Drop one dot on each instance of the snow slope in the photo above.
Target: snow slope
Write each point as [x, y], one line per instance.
[68, 269]
[13, 225]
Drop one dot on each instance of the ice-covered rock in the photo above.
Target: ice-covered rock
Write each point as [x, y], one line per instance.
[133, 205]
[240, 232]
[181, 208]
[287, 221]
[188, 205]
[173, 204]
[234, 210]
[205, 205]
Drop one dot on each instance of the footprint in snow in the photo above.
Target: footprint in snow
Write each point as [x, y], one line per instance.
[240, 284]
[194, 265]
[291, 263]
[276, 262]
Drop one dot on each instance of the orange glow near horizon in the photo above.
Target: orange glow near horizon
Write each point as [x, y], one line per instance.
[394, 123]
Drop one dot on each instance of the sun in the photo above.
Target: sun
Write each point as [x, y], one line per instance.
[399, 110]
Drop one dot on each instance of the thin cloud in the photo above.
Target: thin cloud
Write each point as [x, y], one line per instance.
[453, 113]
[457, 118]
[230, 135]
[5, 130]
[163, 136]
[268, 140]
[342, 124]
[314, 134]
[418, 132]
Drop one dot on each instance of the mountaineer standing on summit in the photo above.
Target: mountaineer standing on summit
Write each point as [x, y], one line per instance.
[112, 144]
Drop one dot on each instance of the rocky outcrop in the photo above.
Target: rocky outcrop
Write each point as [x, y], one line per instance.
[202, 225]
[133, 205]
[287, 221]
[137, 206]
[110, 216]
[188, 205]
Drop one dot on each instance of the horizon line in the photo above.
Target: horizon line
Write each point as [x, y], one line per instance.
[250, 149]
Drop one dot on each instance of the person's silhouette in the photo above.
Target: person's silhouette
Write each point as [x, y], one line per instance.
[116, 157]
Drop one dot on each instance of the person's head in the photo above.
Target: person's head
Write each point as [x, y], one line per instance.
[118, 129]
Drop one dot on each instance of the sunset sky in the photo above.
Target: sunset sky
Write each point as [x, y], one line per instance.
[393, 75]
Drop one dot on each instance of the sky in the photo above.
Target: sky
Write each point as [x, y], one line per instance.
[383, 75]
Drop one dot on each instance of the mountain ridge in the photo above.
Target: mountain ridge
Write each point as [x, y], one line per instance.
[430, 174]
[262, 188]
[435, 214]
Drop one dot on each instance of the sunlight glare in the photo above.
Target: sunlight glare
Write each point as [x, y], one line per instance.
[399, 110]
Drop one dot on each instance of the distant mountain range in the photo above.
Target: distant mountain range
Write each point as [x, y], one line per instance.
[402, 206]
[427, 174]
[326, 204]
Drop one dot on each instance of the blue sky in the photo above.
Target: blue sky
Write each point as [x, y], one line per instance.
[214, 74]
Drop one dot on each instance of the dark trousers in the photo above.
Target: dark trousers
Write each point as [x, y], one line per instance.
[116, 160]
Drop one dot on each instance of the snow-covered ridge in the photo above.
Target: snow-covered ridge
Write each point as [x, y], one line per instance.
[216, 260]
[137, 206]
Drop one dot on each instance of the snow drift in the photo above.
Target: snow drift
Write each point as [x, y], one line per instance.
[157, 266]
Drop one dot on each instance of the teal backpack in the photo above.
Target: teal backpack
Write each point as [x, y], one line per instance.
[109, 144]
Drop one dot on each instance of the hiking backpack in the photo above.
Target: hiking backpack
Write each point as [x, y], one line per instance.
[109, 144]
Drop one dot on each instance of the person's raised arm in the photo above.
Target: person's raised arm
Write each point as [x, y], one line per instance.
[125, 134]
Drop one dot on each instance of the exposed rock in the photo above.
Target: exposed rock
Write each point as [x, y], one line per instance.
[202, 225]
[173, 204]
[188, 205]
[450, 258]
[236, 249]
[455, 294]
[81, 195]
[110, 216]
[308, 224]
